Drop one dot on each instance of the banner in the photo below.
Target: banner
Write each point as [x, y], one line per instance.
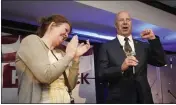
[84, 91]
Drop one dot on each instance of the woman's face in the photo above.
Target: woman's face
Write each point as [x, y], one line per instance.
[59, 33]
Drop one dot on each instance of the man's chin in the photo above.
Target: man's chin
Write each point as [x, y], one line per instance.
[126, 33]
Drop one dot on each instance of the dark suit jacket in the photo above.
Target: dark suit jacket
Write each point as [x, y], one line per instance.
[129, 88]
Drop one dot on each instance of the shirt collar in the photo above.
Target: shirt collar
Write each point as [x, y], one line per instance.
[121, 37]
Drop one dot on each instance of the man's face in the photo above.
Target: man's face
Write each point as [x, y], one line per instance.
[123, 23]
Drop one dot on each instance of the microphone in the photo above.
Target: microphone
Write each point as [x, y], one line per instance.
[132, 53]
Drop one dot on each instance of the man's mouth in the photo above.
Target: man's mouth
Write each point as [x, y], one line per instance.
[125, 28]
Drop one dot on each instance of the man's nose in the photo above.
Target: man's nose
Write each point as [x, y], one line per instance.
[124, 22]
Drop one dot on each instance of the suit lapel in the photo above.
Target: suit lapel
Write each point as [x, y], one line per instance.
[120, 54]
[138, 53]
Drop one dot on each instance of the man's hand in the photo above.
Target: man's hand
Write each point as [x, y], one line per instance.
[148, 34]
[129, 61]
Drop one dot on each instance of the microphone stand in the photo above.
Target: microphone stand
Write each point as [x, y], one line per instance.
[171, 94]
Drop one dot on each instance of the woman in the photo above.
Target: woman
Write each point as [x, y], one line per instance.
[40, 66]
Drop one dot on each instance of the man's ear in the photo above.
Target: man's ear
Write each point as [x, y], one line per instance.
[115, 24]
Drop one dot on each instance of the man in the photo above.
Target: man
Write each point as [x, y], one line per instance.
[125, 73]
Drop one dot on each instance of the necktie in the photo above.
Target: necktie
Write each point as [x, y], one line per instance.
[127, 47]
[128, 51]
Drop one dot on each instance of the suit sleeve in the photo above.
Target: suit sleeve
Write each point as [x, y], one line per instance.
[107, 73]
[156, 54]
[35, 57]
